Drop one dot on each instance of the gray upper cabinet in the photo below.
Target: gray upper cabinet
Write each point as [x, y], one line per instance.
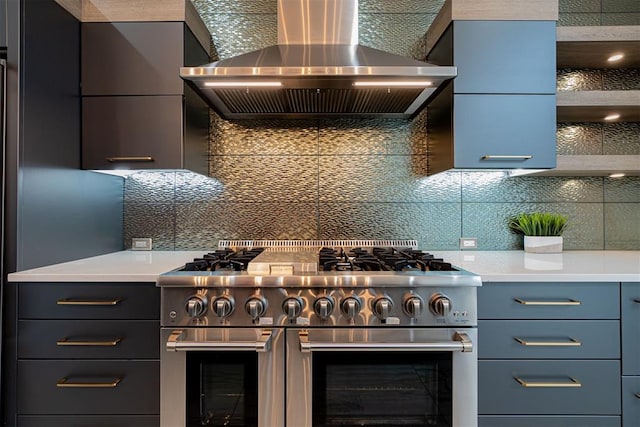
[133, 58]
[505, 56]
[3, 23]
[136, 111]
[500, 111]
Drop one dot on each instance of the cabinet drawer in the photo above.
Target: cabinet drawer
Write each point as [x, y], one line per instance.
[88, 301]
[110, 339]
[547, 421]
[630, 401]
[549, 339]
[549, 301]
[89, 421]
[576, 387]
[631, 328]
[138, 391]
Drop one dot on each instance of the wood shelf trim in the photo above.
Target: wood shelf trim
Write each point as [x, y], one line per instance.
[490, 10]
[589, 47]
[595, 165]
[140, 11]
[593, 106]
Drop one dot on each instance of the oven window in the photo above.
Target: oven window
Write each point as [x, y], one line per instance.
[382, 389]
[222, 389]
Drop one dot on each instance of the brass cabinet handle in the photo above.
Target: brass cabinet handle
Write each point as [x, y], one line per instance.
[567, 302]
[572, 383]
[501, 157]
[571, 343]
[66, 383]
[82, 301]
[129, 159]
[63, 342]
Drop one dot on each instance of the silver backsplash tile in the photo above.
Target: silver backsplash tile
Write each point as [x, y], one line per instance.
[237, 33]
[625, 189]
[207, 8]
[622, 138]
[402, 34]
[266, 178]
[488, 222]
[489, 187]
[622, 226]
[433, 225]
[150, 220]
[263, 137]
[150, 187]
[580, 6]
[383, 179]
[578, 19]
[578, 79]
[620, 6]
[579, 138]
[201, 225]
[621, 79]
[400, 6]
[621, 18]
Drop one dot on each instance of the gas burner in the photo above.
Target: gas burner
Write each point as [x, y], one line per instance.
[223, 260]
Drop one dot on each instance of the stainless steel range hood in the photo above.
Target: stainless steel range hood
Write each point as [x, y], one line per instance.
[317, 69]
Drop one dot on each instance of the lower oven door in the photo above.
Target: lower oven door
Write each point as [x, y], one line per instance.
[222, 377]
[382, 376]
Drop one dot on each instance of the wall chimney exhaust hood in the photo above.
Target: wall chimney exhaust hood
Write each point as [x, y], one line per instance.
[317, 70]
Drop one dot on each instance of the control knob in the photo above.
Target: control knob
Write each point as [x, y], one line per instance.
[382, 307]
[351, 306]
[413, 305]
[223, 306]
[323, 306]
[440, 305]
[255, 306]
[196, 306]
[292, 307]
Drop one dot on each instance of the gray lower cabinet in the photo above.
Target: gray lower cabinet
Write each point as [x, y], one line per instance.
[88, 354]
[631, 354]
[549, 355]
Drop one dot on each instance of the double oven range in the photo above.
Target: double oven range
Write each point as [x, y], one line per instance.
[318, 333]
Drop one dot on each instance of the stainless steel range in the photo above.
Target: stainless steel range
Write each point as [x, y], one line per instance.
[319, 333]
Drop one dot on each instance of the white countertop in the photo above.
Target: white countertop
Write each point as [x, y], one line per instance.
[493, 266]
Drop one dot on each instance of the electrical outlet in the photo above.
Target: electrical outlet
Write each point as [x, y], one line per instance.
[139, 244]
[468, 243]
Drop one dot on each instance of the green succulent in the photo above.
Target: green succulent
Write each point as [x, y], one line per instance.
[538, 224]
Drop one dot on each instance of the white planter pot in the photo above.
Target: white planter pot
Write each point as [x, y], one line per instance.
[543, 244]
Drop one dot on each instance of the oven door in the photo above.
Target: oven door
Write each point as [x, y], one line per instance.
[222, 377]
[381, 376]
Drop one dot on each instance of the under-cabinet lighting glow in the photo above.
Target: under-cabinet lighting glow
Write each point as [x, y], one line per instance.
[392, 84]
[616, 175]
[616, 57]
[243, 84]
[614, 116]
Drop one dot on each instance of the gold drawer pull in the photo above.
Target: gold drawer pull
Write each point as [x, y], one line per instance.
[571, 343]
[567, 302]
[573, 383]
[81, 301]
[80, 342]
[129, 159]
[66, 383]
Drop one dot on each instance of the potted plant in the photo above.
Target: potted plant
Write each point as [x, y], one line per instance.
[542, 231]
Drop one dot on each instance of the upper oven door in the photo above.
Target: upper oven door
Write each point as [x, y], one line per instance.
[222, 377]
[381, 376]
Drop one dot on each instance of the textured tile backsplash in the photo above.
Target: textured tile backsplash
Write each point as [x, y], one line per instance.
[366, 178]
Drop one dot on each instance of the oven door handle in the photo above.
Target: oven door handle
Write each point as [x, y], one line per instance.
[175, 342]
[461, 342]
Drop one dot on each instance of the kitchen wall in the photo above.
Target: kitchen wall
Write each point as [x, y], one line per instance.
[347, 178]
